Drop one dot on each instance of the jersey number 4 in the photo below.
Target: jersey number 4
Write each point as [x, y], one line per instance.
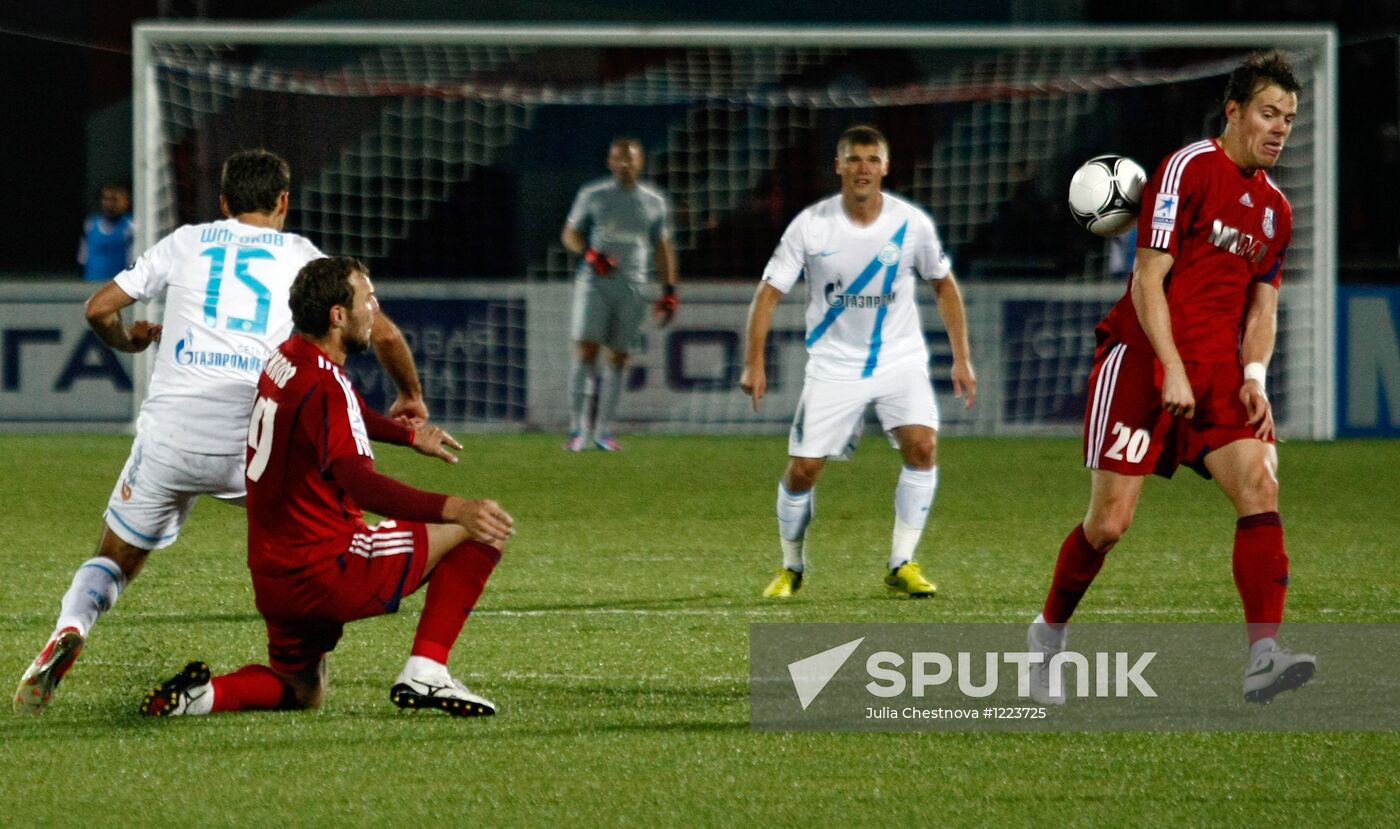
[260, 433]
[217, 257]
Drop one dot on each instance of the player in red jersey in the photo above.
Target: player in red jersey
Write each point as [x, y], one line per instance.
[316, 564]
[1178, 375]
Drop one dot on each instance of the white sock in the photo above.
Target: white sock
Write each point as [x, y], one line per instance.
[423, 666]
[580, 375]
[96, 585]
[1046, 633]
[913, 498]
[609, 392]
[794, 515]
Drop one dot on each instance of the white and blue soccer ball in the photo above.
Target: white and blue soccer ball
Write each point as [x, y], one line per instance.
[1105, 194]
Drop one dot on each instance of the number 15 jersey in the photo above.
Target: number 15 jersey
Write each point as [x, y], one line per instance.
[227, 286]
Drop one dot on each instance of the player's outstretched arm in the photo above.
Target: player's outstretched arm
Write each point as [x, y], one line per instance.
[1256, 349]
[104, 316]
[754, 380]
[426, 440]
[1150, 270]
[396, 357]
[433, 442]
[484, 520]
[954, 313]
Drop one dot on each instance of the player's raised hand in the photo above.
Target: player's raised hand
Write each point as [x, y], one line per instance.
[142, 333]
[964, 383]
[433, 440]
[1177, 397]
[754, 382]
[1259, 409]
[483, 520]
[410, 411]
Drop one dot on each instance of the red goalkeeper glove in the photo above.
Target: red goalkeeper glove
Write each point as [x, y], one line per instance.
[665, 308]
[600, 262]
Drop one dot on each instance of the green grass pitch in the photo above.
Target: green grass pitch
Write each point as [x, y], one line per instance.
[615, 637]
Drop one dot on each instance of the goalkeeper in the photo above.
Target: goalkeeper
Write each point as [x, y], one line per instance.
[617, 226]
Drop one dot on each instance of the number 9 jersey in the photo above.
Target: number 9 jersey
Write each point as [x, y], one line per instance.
[226, 286]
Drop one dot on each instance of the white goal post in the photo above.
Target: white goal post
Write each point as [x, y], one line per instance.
[1006, 109]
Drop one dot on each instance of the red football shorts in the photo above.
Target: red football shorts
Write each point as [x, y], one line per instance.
[1126, 430]
[306, 613]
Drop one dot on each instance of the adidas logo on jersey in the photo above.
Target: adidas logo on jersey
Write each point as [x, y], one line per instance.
[1246, 200]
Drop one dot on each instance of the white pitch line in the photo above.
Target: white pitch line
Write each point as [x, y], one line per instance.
[934, 617]
[532, 675]
[638, 611]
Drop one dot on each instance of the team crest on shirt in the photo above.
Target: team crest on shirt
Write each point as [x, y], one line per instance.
[1269, 222]
[889, 254]
[1164, 211]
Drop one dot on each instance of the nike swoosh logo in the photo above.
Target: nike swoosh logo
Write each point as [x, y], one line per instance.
[826, 253]
[1263, 670]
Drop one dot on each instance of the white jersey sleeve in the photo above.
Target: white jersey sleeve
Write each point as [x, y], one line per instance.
[227, 287]
[789, 259]
[147, 278]
[930, 261]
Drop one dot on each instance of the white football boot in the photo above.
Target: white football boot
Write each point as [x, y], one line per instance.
[431, 686]
[187, 693]
[1275, 671]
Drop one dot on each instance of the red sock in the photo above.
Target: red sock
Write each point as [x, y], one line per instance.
[250, 688]
[1261, 572]
[453, 588]
[1075, 569]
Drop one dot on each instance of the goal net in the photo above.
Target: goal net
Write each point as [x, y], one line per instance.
[448, 158]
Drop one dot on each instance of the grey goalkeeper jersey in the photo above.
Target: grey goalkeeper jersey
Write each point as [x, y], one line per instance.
[624, 223]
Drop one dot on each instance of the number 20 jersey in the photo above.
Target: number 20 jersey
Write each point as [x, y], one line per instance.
[227, 287]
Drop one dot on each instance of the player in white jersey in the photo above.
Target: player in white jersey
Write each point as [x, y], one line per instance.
[226, 286]
[863, 252]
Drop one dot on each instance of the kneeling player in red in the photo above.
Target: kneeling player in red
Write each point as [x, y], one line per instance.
[316, 564]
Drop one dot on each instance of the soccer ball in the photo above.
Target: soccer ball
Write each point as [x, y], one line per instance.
[1105, 194]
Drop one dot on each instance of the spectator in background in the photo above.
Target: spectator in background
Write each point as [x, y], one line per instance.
[106, 246]
[1122, 252]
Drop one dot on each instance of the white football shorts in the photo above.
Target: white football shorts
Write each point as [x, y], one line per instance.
[831, 414]
[158, 488]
